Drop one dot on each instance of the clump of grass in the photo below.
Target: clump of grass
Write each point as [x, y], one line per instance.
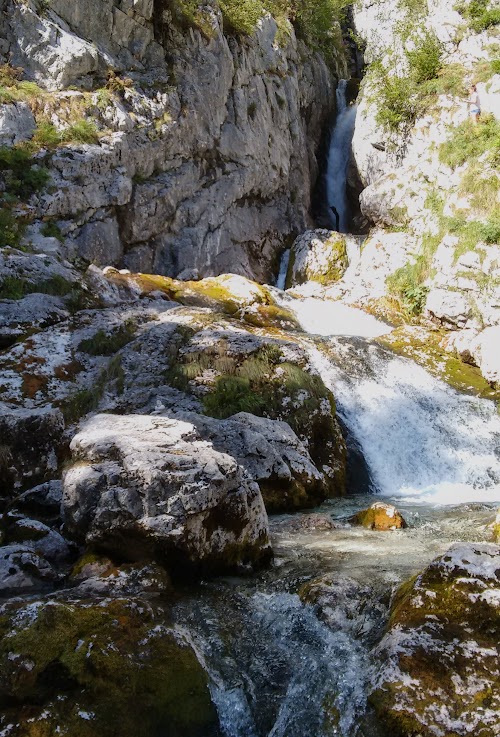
[13, 88]
[12, 287]
[105, 344]
[86, 400]
[50, 229]
[48, 136]
[483, 190]
[479, 15]
[469, 142]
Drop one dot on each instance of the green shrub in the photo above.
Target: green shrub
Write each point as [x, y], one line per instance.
[50, 229]
[479, 16]
[425, 59]
[11, 228]
[469, 141]
[16, 288]
[23, 177]
[406, 284]
[399, 104]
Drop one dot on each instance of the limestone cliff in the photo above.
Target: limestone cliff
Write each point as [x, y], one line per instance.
[425, 170]
[172, 144]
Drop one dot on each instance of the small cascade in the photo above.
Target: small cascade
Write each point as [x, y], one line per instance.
[420, 438]
[285, 260]
[338, 159]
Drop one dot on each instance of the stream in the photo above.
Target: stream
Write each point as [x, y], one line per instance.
[280, 667]
[277, 668]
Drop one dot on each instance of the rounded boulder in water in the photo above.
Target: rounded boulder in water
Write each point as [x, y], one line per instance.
[380, 516]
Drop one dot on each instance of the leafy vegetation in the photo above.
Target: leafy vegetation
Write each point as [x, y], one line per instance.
[48, 136]
[479, 15]
[50, 229]
[105, 344]
[13, 88]
[13, 287]
[21, 177]
[315, 21]
[401, 99]
[468, 142]
[84, 401]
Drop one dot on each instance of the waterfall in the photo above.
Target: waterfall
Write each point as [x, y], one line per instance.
[285, 260]
[421, 439]
[338, 157]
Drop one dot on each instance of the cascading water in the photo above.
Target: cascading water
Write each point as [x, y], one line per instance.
[282, 668]
[338, 157]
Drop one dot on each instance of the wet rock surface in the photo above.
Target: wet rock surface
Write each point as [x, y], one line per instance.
[380, 516]
[440, 655]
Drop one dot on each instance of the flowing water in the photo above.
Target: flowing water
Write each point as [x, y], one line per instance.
[338, 157]
[280, 667]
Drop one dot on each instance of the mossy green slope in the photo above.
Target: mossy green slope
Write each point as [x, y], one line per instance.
[103, 667]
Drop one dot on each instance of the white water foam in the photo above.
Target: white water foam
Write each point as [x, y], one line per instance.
[421, 439]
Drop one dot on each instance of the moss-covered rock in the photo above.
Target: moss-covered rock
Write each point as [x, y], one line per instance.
[426, 348]
[380, 516]
[317, 255]
[440, 657]
[237, 371]
[103, 667]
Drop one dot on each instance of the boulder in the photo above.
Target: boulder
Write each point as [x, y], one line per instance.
[439, 669]
[29, 443]
[144, 486]
[103, 667]
[22, 569]
[40, 538]
[449, 308]
[319, 256]
[100, 243]
[44, 499]
[379, 516]
[17, 123]
[486, 351]
[271, 454]
[34, 312]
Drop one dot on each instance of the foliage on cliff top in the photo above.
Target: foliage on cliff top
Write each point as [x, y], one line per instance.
[315, 21]
[401, 99]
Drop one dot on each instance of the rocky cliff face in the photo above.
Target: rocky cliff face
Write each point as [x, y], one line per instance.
[427, 172]
[198, 150]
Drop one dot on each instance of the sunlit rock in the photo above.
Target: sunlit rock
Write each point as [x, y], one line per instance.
[143, 486]
[317, 256]
[440, 658]
[380, 516]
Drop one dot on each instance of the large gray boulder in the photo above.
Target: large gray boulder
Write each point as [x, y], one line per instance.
[22, 569]
[144, 486]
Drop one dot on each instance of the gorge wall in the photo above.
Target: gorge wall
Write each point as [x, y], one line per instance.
[427, 177]
[194, 151]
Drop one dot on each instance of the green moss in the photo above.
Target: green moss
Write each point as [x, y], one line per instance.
[264, 384]
[86, 400]
[115, 660]
[105, 344]
[423, 346]
[16, 288]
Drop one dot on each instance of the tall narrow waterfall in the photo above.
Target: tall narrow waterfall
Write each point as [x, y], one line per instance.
[338, 157]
